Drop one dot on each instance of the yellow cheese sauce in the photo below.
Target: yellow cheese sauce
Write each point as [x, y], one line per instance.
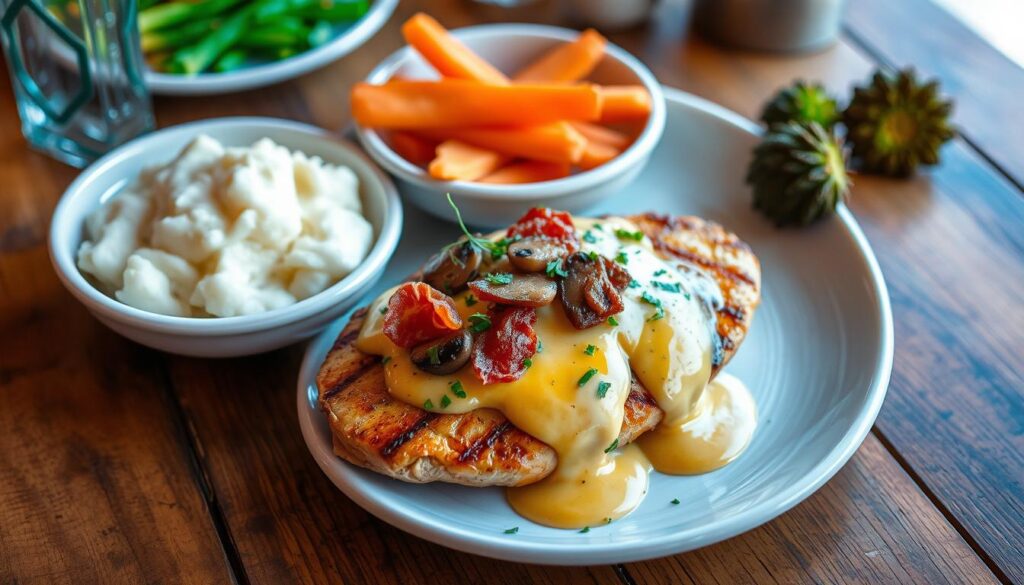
[663, 335]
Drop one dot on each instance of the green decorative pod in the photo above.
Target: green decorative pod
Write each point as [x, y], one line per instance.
[801, 102]
[798, 173]
[896, 123]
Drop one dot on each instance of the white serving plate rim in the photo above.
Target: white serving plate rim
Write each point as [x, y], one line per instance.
[64, 264]
[501, 546]
[269, 73]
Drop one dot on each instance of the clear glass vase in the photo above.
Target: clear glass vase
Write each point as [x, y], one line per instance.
[76, 69]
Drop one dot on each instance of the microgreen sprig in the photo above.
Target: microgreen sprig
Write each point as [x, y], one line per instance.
[497, 249]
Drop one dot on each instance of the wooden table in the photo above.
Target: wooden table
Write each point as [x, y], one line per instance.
[122, 464]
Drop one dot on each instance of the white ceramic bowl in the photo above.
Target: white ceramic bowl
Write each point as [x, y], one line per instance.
[347, 39]
[227, 336]
[510, 47]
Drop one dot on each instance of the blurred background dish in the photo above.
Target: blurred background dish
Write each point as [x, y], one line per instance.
[343, 37]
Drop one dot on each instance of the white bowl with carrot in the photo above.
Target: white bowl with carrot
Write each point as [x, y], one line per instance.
[508, 116]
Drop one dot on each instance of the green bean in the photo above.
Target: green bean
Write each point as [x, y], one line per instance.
[198, 57]
[177, 37]
[331, 10]
[172, 13]
[233, 59]
[271, 37]
[322, 32]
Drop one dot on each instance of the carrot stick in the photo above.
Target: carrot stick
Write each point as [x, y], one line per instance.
[603, 134]
[458, 161]
[460, 103]
[413, 148]
[596, 154]
[568, 62]
[450, 57]
[527, 171]
[551, 142]
[624, 102]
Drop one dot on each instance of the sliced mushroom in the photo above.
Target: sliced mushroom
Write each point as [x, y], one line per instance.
[533, 254]
[524, 290]
[449, 270]
[588, 294]
[444, 355]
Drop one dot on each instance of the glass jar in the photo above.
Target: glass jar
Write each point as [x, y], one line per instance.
[76, 69]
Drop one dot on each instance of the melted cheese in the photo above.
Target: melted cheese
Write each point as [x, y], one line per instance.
[663, 335]
[716, 432]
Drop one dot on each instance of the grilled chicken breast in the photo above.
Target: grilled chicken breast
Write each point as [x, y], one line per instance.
[482, 448]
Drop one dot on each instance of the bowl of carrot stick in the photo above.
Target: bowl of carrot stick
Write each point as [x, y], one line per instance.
[508, 116]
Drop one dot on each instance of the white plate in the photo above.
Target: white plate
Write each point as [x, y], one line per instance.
[347, 39]
[817, 360]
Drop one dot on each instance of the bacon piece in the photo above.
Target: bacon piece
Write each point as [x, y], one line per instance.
[500, 352]
[418, 312]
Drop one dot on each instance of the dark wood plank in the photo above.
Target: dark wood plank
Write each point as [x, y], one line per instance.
[951, 245]
[287, 520]
[96, 483]
[987, 85]
[870, 524]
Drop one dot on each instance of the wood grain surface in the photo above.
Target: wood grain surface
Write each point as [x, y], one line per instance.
[121, 464]
[97, 482]
[987, 85]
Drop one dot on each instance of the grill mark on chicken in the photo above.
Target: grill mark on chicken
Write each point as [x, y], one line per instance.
[703, 262]
[395, 444]
[348, 380]
[486, 442]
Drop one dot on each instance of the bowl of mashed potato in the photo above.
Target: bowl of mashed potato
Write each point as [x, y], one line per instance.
[225, 237]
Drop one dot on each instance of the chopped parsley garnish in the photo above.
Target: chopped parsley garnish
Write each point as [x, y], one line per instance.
[384, 310]
[554, 269]
[499, 278]
[435, 359]
[590, 349]
[589, 238]
[585, 530]
[675, 502]
[659, 312]
[621, 257]
[672, 287]
[613, 321]
[599, 227]
[512, 530]
[445, 401]
[470, 300]
[456, 388]
[497, 249]
[385, 359]
[586, 376]
[602, 388]
[478, 322]
[592, 255]
[428, 404]
[607, 520]
[527, 363]
[628, 235]
[540, 345]
[611, 448]
[660, 272]
[634, 283]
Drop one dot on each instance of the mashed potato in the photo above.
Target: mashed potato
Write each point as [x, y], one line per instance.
[227, 231]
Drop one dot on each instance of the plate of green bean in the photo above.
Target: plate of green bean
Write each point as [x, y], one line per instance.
[217, 46]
